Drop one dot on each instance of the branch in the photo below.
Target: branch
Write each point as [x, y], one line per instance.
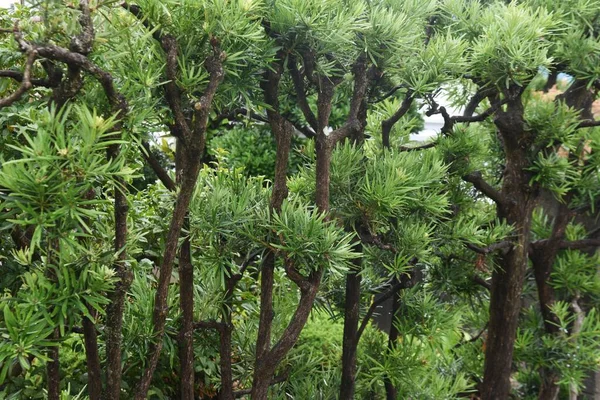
[571, 245]
[589, 123]
[474, 338]
[480, 184]
[477, 98]
[481, 282]
[18, 76]
[295, 276]
[25, 82]
[172, 91]
[389, 94]
[386, 125]
[491, 248]
[163, 176]
[216, 325]
[479, 117]
[300, 90]
[353, 124]
[387, 295]
[236, 277]
[278, 379]
[416, 148]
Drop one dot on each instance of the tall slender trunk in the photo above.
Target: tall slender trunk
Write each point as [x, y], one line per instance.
[226, 392]
[90, 337]
[390, 390]
[186, 333]
[159, 317]
[351, 320]
[53, 368]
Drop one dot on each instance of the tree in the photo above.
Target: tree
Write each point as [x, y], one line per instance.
[228, 268]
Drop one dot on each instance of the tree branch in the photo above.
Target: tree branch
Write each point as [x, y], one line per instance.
[25, 82]
[386, 296]
[388, 124]
[491, 248]
[274, 381]
[163, 176]
[416, 148]
[480, 184]
[571, 245]
[589, 123]
[300, 90]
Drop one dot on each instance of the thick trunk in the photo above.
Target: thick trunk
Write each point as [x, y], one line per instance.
[90, 337]
[516, 207]
[323, 165]
[390, 391]
[186, 333]
[350, 341]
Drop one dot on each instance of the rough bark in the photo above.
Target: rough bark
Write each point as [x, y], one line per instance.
[351, 320]
[186, 332]
[53, 369]
[507, 280]
[90, 337]
[390, 390]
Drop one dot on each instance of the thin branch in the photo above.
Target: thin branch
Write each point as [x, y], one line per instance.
[25, 82]
[416, 148]
[247, 262]
[295, 276]
[18, 76]
[481, 282]
[387, 295]
[389, 94]
[479, 117]
[480, 184]
[477, 98]
[474, 338]
[387, 125]
[158, 169]
[274, 381]
[216, 325]
[589, 123]
[300, 90]
[491, 248]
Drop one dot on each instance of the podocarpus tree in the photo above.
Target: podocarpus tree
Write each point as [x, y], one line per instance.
[507, 52]
[338, 72]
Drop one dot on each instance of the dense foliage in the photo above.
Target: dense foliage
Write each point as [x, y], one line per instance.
[220, 198]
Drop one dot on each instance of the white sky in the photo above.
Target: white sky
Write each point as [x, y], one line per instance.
[6, 3]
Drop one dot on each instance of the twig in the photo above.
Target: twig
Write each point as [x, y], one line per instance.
[491, 248]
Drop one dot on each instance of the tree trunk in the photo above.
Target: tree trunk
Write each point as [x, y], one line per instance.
[90, 337]
[186, 333]
[53, 369]
[350, 341]
[226, 392]
[516, 208]
[390, 391]
[191, 167]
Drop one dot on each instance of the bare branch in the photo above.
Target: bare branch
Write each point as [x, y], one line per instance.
[387, 295]
[300, 90]
[416, 148]
[480, 184]
[571, 245]
[491, 248]
[274, 381]
[25, 82]
[481, 282]
[163, 176]
[387, 125]
[589, 123]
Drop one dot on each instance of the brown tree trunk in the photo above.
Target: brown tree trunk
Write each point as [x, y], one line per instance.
[90, 337]
[390, 390]
[226, 392]
[507, 280]
[350, 341]
[53, 369]
[186, 333]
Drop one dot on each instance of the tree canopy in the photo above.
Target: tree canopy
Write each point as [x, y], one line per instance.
[221, 199]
